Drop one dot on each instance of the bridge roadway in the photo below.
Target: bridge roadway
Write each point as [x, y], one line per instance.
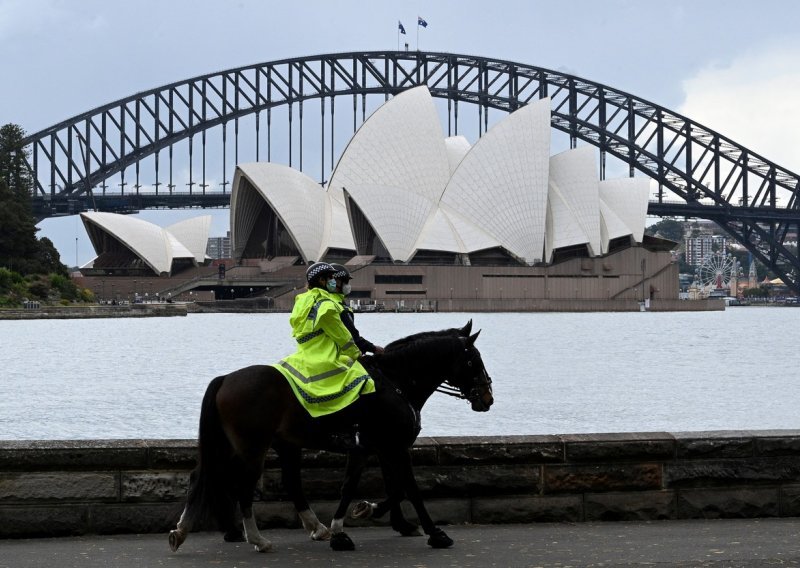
[725, 543]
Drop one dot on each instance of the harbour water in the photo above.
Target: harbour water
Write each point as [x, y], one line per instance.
[554, 373]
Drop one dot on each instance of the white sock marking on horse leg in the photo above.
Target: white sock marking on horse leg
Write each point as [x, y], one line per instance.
[316, 530]
[253, 536]
[337, 526]
[182, 528]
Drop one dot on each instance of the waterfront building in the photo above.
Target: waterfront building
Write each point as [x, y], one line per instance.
[219, 247]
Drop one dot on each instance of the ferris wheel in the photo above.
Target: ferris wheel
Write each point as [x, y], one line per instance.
[716, 271]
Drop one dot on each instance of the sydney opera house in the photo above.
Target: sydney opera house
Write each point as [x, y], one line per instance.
[422, 219]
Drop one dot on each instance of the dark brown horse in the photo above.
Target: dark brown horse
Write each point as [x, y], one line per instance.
[253, 409]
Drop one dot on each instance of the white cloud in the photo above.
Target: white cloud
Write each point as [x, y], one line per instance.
[753, 101]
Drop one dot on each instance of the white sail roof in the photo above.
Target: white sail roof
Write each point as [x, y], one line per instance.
[628, 198]
[503, 178]
[297, 200]
[457, 147]
[573, 201]
[193, 234]
[157, 247]
[395, 164]
[420, 191]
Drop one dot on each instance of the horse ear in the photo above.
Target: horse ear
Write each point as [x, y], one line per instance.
[467, 329]
[473, 337]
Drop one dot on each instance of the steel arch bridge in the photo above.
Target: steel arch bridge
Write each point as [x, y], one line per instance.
[700, 172]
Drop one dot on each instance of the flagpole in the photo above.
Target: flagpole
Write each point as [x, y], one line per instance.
[417, 33]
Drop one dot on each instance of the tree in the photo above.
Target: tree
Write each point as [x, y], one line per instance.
[18, 243]
[667, 229]
[13, 163]
[20, 250]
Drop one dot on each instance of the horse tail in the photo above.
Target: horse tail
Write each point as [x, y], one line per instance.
[209, 497]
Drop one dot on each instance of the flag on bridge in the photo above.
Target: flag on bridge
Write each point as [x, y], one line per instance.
[421, 22]
[400, 27]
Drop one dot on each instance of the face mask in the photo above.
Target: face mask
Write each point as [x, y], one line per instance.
[331, 285]
[346, 289]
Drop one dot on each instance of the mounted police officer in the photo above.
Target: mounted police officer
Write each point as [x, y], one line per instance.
[343, 277]
[324, 372]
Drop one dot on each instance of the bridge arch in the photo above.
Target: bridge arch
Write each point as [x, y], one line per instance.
[700, 172]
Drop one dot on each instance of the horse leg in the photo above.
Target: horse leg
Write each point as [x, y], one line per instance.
[292, 482]
[251, 468]
[177, 536]
[437, 538]
[356, 460]
[394, 491]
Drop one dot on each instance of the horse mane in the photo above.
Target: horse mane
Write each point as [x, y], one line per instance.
[426, 343]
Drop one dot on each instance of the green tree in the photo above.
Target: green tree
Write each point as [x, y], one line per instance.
[18, 243]
[667, 229]
[20, 250]
[14, 163]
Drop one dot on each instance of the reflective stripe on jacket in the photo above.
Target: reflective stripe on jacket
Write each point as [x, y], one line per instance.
[324, 372]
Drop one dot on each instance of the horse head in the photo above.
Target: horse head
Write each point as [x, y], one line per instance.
[470, 376]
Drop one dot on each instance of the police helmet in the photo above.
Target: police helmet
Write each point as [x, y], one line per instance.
[341, 272]
[318, 269]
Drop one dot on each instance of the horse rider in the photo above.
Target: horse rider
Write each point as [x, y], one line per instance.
[343, 278]
[324, 372]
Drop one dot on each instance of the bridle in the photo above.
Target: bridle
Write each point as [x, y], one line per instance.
[481, 381]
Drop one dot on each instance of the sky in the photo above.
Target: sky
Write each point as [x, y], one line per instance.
[731, 65]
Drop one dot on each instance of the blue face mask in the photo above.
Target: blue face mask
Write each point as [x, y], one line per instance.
[331, 285]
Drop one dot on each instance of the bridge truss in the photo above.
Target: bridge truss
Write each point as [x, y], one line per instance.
[196, 125]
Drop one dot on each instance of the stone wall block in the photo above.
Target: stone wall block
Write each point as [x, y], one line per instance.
[527, 509]
[320, 483]
[59, 486]
[487, 480]
[619, 447]
[790, 501]
[135, 518]
[154, 486]
[742, 502]
[271, 515]
[172, 454]
[31, 521]
[601, 477]
[635, 506]
[700, 445]
[777, 444]
[500, 450]
[72, 455]
[695, 473]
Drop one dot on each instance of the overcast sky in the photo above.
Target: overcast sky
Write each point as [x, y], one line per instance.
[731, 65]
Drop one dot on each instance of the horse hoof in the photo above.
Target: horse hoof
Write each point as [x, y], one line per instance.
[263, 546]
[340, 541]
[176, 539]
[362, 510]
[321, 533]
[234, 535]
[438, 539]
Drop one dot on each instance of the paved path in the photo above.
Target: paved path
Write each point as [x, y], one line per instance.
[715, 543]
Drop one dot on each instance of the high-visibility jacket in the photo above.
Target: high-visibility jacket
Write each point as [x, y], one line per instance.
[324, 372]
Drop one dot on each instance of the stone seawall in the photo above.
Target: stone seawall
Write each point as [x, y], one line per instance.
[92, 312]
[50, 488]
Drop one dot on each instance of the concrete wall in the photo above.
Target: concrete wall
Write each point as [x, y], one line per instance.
[78, 487]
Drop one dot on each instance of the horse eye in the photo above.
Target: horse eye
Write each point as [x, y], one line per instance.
[469, 363]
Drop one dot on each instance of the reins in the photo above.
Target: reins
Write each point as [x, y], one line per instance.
[450, 390]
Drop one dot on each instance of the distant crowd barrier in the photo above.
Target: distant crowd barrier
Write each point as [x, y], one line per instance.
[54, 488]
